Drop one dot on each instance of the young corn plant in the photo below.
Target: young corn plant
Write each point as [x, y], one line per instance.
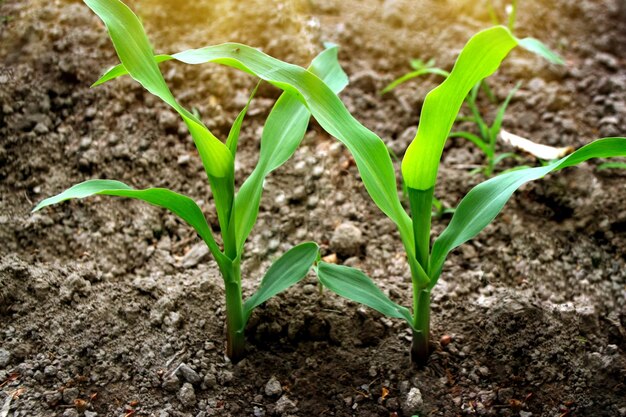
[236, 211]
[480, 58]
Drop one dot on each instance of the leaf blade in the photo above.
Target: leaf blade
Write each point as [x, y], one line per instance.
[183, 206]
[480, 58]
[289, 269]
[354, 285]
[483, 203]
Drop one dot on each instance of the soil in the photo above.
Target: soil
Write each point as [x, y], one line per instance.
[110, 307]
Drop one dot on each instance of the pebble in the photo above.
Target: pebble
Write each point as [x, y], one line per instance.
[187, 395]
[413, 401]
[185, 372]
[273, 387]
[347, 240]
[198, 253]
[70, 394]
[284, 405]
[91, 414]
[171, 383]
[70, 412]
[5, 358]
[183, 159]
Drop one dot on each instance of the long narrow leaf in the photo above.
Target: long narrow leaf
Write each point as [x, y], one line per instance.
[183, 206]
[283, 131]
[286, 271]
[483, 203]
[537, 47]
[136, 54]
[413, 74]
[474, 139]
[479, 58]
[235, 129]
[354, 285]
[494, 130]
[368, 150]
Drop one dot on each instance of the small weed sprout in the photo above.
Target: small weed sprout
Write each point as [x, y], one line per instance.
[237, 212]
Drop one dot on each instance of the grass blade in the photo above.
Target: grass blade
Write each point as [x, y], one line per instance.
[411, 75]
[483, 203]
[183, 206]
[235, 129]
[537, 47]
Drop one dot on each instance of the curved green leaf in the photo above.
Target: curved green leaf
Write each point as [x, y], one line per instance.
[539, 48]
[286, 271]
[483, 203]
[283, 131]
[369, 151]
[235, 128]
[480, 58]
[413, 74]
[135, 53]
[183, 206]
[354, 285]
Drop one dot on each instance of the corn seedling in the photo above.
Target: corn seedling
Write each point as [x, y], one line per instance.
[480, 58]
[237, 212]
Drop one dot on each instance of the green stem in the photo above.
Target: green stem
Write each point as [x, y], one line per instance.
[420, 347]
[235, 321]
[421, 212]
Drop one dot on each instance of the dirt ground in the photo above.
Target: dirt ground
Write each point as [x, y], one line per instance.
[110, 307]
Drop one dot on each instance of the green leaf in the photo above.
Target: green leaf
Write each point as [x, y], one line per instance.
[479, 59]
[354, 285]
[494, 130]
[183, 206]
[282, 134]
[476, 140]
[413, 74]
[235, 129]
[483, 203]
[368, 150]
[539, 48]
[286, 271]
[611, 165]
[136, 54]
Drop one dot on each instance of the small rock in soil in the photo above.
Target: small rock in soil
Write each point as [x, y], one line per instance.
[187, 395]
[284, 405]
[198, 253]
[185, 372]
[5, 358]
[171, 383]
[413, 401]
[347, 240]
[273, 388]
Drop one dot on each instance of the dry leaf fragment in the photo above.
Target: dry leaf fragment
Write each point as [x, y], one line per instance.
[537, 150]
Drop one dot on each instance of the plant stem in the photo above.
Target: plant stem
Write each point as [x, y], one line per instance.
[421, 212]
[235, 322]
[420, 349]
